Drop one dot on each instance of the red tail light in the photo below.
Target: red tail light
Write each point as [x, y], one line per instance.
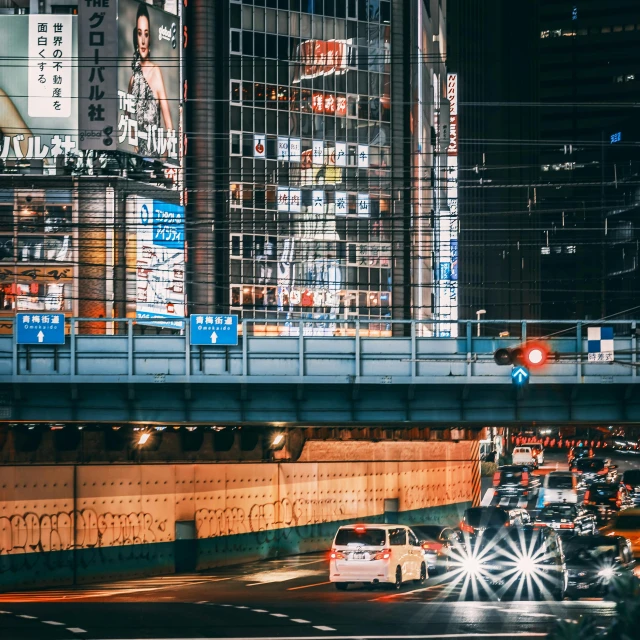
[336, 555]
[603, 472]
[496, 478]
[467, 528]
[432, 546]
[385, 554]
[567, 525]
[587, 496]
[539, 525]
[629, 487]
[525, 478]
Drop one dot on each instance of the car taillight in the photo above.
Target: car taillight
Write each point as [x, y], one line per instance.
[496, 478]
[567, 525]
[385, 554]
[629, 487]
[587, 496]
[336, 555]
[467, 528]
[525, 478]
[539, 525]
[432, 546]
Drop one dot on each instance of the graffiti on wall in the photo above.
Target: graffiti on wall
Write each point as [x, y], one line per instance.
[85, 529]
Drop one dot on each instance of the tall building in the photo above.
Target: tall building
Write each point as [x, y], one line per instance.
[492, 47]
[314, 150]
[589, 80]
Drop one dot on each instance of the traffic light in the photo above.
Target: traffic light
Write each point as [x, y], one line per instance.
[529, 354]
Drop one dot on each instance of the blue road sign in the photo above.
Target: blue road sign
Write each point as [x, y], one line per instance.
[39, 328]
[210, 329]
[519, 375]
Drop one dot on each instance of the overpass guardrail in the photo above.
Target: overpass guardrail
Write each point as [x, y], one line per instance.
[98, 350]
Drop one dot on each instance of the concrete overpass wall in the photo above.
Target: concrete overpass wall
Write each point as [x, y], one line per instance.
[78, 524]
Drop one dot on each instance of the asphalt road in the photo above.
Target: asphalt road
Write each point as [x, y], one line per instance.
[287, 598]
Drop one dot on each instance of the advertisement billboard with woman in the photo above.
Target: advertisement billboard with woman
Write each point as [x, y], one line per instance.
[148, 81]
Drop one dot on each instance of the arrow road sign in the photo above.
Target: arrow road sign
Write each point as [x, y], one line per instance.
[39, 328]
[519, 375]
[214, 329]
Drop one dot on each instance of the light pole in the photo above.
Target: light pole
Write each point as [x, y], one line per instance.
[479, 312]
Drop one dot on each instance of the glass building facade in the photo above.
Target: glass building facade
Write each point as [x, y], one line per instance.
[309, 160]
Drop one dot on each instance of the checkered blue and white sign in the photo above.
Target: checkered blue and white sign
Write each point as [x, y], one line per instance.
[600, 344]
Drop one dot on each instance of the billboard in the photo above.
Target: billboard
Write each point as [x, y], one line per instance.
[316, 58]
[130, 79]
[159, 243]
[38, 115]
[148, 81]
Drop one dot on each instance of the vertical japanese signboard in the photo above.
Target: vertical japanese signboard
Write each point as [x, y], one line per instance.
[448, 225]
[98, 74]
[50, 65]
[159, 260]
[38, 84]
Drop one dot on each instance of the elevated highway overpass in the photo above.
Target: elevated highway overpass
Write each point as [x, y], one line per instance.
[364, 374]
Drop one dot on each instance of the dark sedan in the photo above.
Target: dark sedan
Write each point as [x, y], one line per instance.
[594, 562]
[631, 481]
[567, 518]
[607, 499]
[594, 469]
[436, 541]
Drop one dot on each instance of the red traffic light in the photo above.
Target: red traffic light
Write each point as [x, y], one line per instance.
[529, 354]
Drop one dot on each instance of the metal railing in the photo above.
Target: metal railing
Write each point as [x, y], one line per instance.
[313, 351]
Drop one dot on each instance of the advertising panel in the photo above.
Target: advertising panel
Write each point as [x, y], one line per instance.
[448, 225]
[148, 81]
[316, 58]
[38, 117]
[98, 75]
[159, 260]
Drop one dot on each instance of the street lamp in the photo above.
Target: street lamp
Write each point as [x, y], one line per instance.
[479, 312]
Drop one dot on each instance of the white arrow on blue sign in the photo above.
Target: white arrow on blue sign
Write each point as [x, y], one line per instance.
[213, 329]
[39, 328]
[519, 375]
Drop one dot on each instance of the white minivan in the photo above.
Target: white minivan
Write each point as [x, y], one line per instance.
[376, 553]
[559, 486]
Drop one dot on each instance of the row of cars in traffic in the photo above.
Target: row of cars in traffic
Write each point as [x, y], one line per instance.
[575, 545]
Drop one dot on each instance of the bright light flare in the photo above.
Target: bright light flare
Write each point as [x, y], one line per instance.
[526, 565]
[277, 440]
[607, 573]
[144, 437]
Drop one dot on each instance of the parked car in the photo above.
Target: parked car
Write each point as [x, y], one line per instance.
[594, 563]
[538, 451]
[631, 480]
[577, 453]
[607, 499]
[559, 486]
[593, 469]
[626, 524]
[436, 542]
[377, 553]
[567, 518]
[524, 455]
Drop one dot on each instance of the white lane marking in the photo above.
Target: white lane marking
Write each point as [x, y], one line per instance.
[260, 610]
[432, 587]
[279, 575]
[279, 615]
[323, 628]
[226, 605]
[535, 614]
[241, 607]
[203, 602]
[76, 630]
[8, 613]
[308, 586]
[488, 497]
[27, 617]
[300, 621]
[54, 623]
